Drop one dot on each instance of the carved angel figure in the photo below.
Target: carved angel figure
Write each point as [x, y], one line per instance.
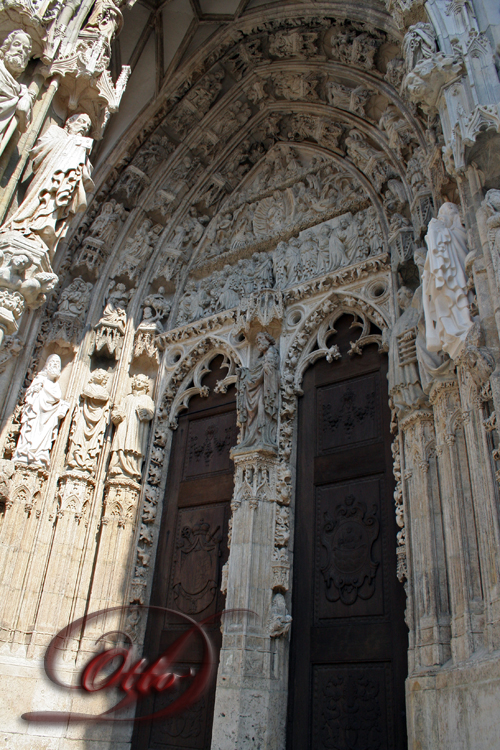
[258, 396]
[61, 170]
[131, 418]
[446, 308]
[89, 423]
[42, 409]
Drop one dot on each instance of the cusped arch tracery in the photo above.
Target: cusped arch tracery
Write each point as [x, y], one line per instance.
[186, 379]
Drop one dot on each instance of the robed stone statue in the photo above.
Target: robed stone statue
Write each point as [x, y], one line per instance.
[42, 409]
[446, 307]
[132, 419]
[89, 423]
[61, 177]
[258, 397]
[16, 102]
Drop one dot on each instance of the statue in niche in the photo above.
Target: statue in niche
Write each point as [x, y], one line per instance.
[61, 175]
[111, 327]
[89, 423]
[258, 396]
[404, 381]
[419, 44]
[279, 621]
[492, 207]
[446, 308]
[432, 365]
[42, 410]
[16, 101]
[132, 419]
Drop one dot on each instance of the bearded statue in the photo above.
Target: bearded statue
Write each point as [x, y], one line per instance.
[16, 101]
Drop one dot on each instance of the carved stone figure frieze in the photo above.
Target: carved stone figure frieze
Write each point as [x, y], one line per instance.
[89, 423]
[258, 397]
[446, 308]
[42, 410]
[16, 101]
[69, 318]
[131, 418]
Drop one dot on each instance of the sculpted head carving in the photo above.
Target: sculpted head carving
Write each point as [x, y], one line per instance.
[264, 340]
[100, 377]
[78, 124]
[15, 52]
[140, 384]
[404, 296]
[53, 367]
[450, 216]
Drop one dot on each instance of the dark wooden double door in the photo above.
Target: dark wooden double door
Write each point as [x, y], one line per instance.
[348, 650]
[192, 550]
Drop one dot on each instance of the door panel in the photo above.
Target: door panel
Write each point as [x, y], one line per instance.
[192, 549]
[349, 640]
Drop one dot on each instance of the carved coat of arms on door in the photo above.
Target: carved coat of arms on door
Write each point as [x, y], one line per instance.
[348, 537]
[196, 566]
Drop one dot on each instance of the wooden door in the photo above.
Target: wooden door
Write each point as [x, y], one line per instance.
[192, 550]
[349, 641]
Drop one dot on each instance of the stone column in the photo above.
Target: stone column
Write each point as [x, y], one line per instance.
[250, 706]
[462, 553]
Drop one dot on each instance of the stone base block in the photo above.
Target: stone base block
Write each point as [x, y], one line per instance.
[455, 708]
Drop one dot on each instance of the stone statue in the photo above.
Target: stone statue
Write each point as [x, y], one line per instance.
[431, 365]
[419, 44]
[446, 309]
[16, 101]
[258, 396]
[131, 418]
[42, 409]
[89, 423]
[492, 206]
[404, 381]
[61, 175]
[279, 621]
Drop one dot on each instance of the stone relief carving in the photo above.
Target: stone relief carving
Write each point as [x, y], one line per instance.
[258, 397]
[69, 318]
[137, 250]
[131, 418]
[111, 327]
[369, 160]
[16, 101]
[137, 175]
[419, 44]
[404, 381]
[344, 97]
[196, 103]
[155, 308]
[349, 45]
[102, 234]
[446, 308]
[42, 410]
[492, 207]
[90, 420]
[280, 621]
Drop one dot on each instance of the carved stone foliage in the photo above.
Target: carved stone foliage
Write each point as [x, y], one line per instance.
[402, 567]
[69, 319]
[111, 327]
[42, 410]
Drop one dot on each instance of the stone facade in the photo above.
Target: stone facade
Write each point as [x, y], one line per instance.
[303, 162]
